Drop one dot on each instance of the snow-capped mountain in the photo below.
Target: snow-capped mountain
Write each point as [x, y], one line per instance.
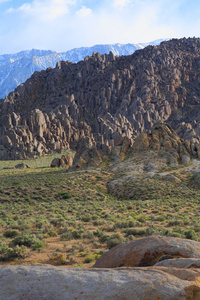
[16, 68]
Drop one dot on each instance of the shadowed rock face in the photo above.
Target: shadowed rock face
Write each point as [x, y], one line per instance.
[105, 98]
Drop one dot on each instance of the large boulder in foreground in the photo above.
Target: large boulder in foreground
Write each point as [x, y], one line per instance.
[148, 251]
[45, 282]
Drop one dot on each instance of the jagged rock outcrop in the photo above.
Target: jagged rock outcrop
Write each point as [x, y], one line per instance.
[106, 98]
[87, 155]
[148, 251]
[17, 68]
[170, 145]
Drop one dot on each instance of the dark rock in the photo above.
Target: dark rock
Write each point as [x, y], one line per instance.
[21, 166]
[64, 161]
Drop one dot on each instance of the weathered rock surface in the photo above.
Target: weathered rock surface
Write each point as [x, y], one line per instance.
[183, 263]
[164, 139]
[87, 155]
[148, 251]
[105, 98]
[45, 282]
[64, 161]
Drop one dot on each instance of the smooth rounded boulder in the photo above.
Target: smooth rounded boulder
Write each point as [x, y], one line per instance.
[47, 282]
[148, 251]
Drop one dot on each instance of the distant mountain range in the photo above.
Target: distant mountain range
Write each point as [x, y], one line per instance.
[17, 68]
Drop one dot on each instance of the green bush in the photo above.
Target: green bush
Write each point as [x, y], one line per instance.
[52, 233]
[86, 219]
[11, 233]
[114, 240]
[98, 232]
[135, 231]
[67, 236]
[38, 245]
[126, 224]
[89, 259]
[26, 240]
[190, 234]
[22, 251]
[6, 253]
[104, 238]
[65, 195]
[78, 234]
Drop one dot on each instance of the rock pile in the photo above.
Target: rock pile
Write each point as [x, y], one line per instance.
[87, 155]
[170, 145]
[64, 161]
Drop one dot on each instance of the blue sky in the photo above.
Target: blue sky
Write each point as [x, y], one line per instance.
[65, 24]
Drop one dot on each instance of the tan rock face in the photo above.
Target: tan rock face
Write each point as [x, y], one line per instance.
[87, 155]
[142, 142]
[165, 139]
[45, 282]
[147, 252]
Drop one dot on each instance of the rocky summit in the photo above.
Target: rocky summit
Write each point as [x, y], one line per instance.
[17, 68]
[104, 98]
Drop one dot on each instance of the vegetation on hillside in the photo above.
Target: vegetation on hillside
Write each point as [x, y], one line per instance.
[58, 217]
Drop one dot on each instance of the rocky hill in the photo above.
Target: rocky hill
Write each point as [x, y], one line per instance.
[17, 68]
[104, 98]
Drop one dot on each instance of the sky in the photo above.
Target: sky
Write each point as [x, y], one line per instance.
[62, 25]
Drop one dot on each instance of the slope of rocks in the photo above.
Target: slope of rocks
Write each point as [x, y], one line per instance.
[105, 98]
[17, 68]
[164, 139]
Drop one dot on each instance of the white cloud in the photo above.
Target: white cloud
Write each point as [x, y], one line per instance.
[83, 12]
[65, 24]
[120, 3]
[46, 10]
